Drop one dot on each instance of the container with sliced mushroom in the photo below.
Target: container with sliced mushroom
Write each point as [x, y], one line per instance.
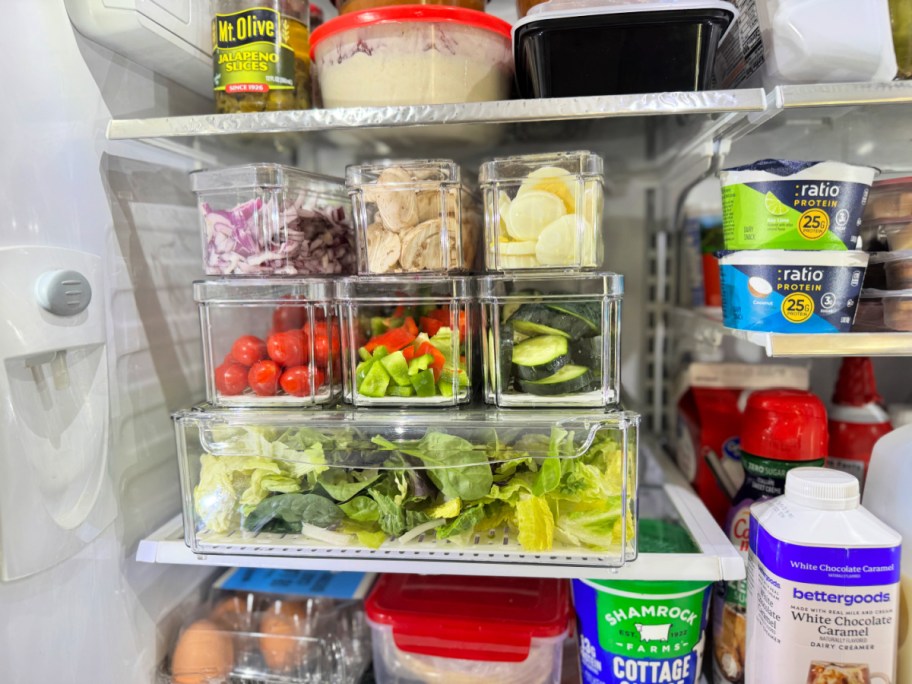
[543, 211]
[413, 216]
[407, 340]
[551, 339]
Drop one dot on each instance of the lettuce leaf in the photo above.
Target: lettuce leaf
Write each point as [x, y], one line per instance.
[535, 523]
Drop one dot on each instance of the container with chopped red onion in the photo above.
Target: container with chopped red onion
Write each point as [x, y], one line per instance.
[274, 220]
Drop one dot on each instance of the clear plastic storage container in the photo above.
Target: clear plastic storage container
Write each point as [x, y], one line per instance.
[412, 55]
[884, 311]
[472, 630]
[551, 339]
[413, 216]
[240, 637]
[893, 234]
[543, 211]
[482, 486]
[407, 341]
[270, 342]
[268, 219]
[576, 48]
[890, 199]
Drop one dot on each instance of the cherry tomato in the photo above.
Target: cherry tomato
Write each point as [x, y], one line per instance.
[288, 318]
[264, 378]
[248, 350]
[288, 348]
[231, 378]
[296, 381]
[323, 350]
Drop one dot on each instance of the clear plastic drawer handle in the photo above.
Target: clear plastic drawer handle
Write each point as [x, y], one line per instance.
[63, 293]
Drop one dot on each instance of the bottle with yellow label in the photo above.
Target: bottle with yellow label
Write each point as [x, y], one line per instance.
[260, 55]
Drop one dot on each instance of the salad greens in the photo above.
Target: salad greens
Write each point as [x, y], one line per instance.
[348, 486]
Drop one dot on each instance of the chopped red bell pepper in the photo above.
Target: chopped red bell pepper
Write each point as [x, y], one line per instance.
[431, 326]
[411, 326]
[409, 352]
[442, 314]
[439, 358]
[394, 340]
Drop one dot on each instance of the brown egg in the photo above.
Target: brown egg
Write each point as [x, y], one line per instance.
[204, 652]
[281, 627]
[232, 612]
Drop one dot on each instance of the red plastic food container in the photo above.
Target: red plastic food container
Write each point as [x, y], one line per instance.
[494, 628]
[785, 425]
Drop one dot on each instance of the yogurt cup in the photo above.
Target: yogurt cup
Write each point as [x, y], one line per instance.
[776, 204]
[789, 291]
[629, 629]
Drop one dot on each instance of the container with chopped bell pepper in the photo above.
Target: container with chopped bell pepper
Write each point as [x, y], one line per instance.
[551, 339]
[407, 340]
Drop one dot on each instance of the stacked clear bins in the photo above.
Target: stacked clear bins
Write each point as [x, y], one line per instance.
[471, 486]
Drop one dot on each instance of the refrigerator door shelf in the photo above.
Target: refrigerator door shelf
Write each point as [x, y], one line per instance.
[55, 496]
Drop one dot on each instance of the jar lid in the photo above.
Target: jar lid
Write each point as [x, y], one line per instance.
[785, 425]
[400, 14]
[822, 488]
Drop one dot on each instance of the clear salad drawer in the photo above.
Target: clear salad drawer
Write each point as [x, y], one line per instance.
[268, 219]
[413, 216]
[408, 340]
[543, 211]
[270, 342]
[480, 486]
[551, 339]
[239, 637]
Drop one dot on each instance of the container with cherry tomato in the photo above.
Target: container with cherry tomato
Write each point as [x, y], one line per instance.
[270, 342]
[407, 340]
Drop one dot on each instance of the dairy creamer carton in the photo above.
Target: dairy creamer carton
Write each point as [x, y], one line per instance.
[823, 586]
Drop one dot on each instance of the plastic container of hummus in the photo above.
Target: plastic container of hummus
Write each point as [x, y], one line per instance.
[776, 204]
[412, 55]
[791, 292]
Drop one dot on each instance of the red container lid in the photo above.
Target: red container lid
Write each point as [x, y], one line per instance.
[491, 619]
[402, 14]
[785, 425]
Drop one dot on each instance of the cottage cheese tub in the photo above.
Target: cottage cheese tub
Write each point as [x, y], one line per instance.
[791, 292]
[411, 55]
[776, 204]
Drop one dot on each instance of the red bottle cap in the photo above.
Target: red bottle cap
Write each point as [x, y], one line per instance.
[785, 425]
[856, 385]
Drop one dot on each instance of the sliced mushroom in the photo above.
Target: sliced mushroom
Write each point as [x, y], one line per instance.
[398, 207]
[383, 249]
[422, 247]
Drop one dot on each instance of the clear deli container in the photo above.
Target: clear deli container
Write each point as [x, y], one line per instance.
[268, 219]
[551, 339]
[508, 630]
[638, 47]
[884, 311]
[407, 341]
[347, 6]
[887, 234]
[413, 216]
[239, 637]
[898, 269]
[412, 55]
[543, 211]
[890, 199]
[420, 485]
[270, 342]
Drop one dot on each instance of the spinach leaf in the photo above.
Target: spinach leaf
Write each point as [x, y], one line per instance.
[395, 520]
[286, 512]
[342, 484]
[462, 523]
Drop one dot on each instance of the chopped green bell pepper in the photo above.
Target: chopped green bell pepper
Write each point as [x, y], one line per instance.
[420, 363]
[375, 382]
[424, 384]
[397, 367]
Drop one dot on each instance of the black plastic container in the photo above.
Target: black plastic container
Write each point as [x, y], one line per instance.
[604, 51]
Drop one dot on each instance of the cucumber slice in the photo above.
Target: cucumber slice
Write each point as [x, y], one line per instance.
[503, 357]
[536, 319]
[579, 320]
[540, 357]
[587, 352]
[567, 380]
[510, 308]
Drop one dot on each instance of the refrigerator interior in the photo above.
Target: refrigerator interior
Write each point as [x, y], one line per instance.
[101, 476]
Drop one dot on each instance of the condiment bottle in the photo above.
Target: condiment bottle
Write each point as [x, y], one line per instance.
[857, 418]
[782, 429]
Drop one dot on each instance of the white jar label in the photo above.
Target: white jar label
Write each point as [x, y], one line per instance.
[820, 614]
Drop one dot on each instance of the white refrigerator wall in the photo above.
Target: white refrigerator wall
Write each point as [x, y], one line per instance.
[96, 617]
